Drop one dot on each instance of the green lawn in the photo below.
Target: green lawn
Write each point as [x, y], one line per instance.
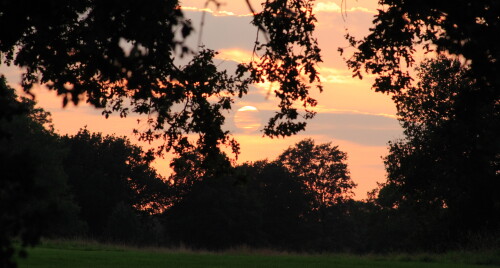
[71, 255]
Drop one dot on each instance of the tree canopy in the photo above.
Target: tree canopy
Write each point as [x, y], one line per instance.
[34, 196]
[106, 172]
[447, 159]
[450, 111]
[464, 28]
[323, 169]
[112, 53]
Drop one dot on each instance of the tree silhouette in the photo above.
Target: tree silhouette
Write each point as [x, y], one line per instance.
[106, 173]
[34, 196]
[465, 28]
[322, 168]
[112, 53]
[260, 204]
[447, 159]
[216, 213]
[286, 205]
[450, 157]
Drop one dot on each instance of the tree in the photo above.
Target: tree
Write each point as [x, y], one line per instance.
[106, 173]
[322, 168]
[447, 165]
[34, 197]
[467, 29]
[463, 28]
[285, 205]
[456, 157]
[216, 213]
[123, 225]
[188, 169]
[260, 204]
[113, 52]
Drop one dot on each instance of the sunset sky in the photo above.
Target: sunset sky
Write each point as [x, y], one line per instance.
[350, 114]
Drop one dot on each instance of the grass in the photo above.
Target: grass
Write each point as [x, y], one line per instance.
[91, 254]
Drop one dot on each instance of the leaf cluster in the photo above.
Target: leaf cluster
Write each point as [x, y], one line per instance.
[288, 57]
[463, 28]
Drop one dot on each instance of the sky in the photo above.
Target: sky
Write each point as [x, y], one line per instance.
[349, 114]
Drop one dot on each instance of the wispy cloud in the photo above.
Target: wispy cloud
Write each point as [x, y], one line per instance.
[234, 54]
[324, 109]
[216, 13]
[333, 75]
[320, 7]
[327, 7]
[332, 7]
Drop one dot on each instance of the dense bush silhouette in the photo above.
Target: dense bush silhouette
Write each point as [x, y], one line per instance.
[34, 196]
[108, 177]
[442, 175]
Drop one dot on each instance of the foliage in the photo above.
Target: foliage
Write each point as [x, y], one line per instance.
[188, 169]
[43, 172]
[323, 170]
[112, 52]
[465, 28]
[123, 225]
[217, 213]
[285, 205]
[121, 56]
[80, 44]
[265, 204]
[446, 168]
[289, 27]
[106, 173]
[34, 196]
[259, 205]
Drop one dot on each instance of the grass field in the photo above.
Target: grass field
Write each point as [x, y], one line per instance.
[79, 254]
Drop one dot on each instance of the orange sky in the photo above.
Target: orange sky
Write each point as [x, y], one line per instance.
[350, 114]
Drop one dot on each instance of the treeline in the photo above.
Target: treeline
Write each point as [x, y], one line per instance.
[104, 188]
[440, 192]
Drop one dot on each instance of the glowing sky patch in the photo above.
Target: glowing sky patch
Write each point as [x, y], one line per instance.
[234, 54]
[327, 7]
[247, 118]
[247, 108]
[215, 12]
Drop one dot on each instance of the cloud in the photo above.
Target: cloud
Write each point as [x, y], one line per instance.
[234, 54]
[326, 7]
[361, 128]
[362, 9]
[221, 32]
[324, 109]
[332, 7]
[217, 13]
[334, 75]
[232, 7]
